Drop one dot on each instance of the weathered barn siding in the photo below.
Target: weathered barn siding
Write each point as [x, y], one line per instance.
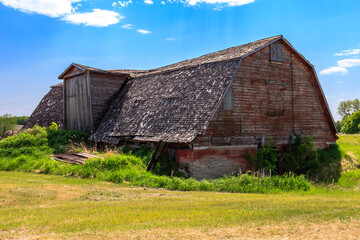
[87, 97]
[270, 99]
[103, 89]
[213, 162]
[77, 103]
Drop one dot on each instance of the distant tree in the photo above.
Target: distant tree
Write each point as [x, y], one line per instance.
[21, 120]
[346, 108]
[351, 124]
[338, 125]
[7, 122]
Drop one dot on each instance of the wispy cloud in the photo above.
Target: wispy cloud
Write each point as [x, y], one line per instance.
[148, 2]
[334, 70]
[348, 52]
[127, 26]
[97, 18]
[121, 3]
[349, 63]
[169, 39]
[51, 8]
[225, 2]
[340, 82]
[142, 31]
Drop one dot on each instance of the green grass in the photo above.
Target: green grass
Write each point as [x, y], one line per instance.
[350, 145]
[30, 152]
[350, 150]
[115, 198]
[50, 207]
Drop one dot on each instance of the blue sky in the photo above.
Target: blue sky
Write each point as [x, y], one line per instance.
[40, 38]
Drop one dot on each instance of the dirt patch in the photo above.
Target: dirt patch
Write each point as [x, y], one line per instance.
[297, 230]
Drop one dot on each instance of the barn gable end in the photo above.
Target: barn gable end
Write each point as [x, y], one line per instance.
[271, 99]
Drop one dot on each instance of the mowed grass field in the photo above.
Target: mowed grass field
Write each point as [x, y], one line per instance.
[38, 206]
[35, 206]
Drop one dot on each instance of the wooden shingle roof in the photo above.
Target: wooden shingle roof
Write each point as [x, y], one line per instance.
[173, 106]
[50, 109]
[174, 103]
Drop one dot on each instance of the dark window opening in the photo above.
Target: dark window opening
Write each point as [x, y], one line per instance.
[276, 52]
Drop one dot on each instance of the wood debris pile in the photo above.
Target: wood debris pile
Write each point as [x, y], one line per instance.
[74, 158]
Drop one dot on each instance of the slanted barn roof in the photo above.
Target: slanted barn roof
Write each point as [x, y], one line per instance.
[172, 106]
[50, 109]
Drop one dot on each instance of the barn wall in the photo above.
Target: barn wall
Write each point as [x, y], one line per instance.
[103, 89]
[213, 162]
[77, 103]
[271, 99]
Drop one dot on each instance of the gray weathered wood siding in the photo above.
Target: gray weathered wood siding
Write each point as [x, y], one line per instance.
[103, 89]
[77, 103]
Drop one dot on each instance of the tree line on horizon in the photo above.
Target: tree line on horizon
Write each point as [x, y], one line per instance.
[9, 122]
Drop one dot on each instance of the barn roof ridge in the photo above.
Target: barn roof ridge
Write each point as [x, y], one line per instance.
[227, 54]
[217, 56]
[87, 68]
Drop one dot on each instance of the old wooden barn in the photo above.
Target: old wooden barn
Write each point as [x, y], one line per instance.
[205, 112]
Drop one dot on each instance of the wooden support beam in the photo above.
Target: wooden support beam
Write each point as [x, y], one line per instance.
[155, 157]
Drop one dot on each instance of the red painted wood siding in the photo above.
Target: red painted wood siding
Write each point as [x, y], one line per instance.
[271, 100]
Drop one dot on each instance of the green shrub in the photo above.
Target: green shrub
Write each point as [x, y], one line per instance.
[351, 124]
[329, 165]
[300, 158]
[266, 158]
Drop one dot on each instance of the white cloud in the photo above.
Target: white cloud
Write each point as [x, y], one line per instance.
[348, 52]
[142, 31]
[340, 82]
[114, 4]
[162, 2]
[334, 70]
[128, 26]
[349, 63]
[124, 3]
[170, 39]
[96, 18]
[227, 2]
[51, 8]
[148, 2]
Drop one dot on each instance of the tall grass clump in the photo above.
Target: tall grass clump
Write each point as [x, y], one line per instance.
[30, 151]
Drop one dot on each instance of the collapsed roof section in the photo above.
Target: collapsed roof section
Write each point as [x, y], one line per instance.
[171, 106]
[50, 109]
